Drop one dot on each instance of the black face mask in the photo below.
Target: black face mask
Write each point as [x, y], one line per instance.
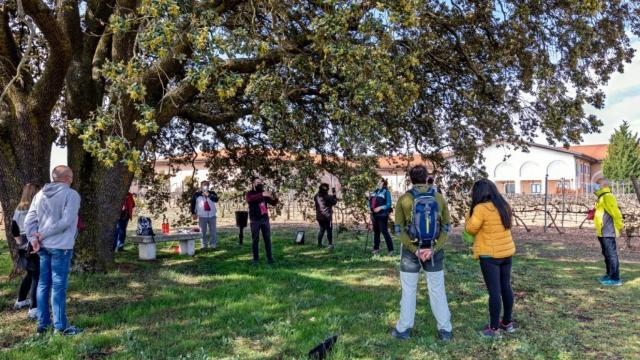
[260, 188]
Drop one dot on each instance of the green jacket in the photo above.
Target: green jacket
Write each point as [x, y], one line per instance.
[404, 208]
[608, 218]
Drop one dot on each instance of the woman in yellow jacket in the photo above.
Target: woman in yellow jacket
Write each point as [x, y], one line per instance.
[489, 220]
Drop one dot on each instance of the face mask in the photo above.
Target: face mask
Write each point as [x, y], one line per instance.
[260, 188]
[596, 187]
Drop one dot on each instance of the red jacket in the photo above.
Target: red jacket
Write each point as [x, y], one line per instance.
[128, 205]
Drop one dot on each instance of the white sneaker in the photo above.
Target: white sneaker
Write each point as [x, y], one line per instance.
[33, 314]
[22, 304]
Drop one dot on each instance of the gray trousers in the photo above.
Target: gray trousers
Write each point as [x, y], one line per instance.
[434, 275]
[209, 223]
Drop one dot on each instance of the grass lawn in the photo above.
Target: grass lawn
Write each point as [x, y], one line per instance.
[216, 305]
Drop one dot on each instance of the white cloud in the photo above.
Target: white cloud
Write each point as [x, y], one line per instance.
[622, 103]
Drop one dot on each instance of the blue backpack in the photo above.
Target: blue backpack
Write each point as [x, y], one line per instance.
[424, 227]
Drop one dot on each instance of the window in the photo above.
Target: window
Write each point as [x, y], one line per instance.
[536, 188]
[510, 187]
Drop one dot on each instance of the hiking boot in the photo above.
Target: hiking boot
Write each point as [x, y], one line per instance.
[69, 331]
[33, 314]
[610, 282]
[22, 304]
[445, 335]
[401, 335]
[490, 333]
[509, 328]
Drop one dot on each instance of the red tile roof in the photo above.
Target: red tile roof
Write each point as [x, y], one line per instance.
[598, 152]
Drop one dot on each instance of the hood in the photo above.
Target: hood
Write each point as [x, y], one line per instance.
[51, 189]
[604, 189]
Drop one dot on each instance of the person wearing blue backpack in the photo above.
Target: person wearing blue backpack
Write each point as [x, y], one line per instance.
[422, 221]
[380, 207]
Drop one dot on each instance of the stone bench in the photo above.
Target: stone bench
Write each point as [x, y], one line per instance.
[147, 244]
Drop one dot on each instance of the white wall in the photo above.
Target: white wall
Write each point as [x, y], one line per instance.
[533, 165]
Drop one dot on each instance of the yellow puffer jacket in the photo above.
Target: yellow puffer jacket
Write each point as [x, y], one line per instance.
[491, 237]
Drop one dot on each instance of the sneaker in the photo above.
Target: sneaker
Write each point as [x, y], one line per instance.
[255, 262]
[445, 335]
[610, 282]
[320, 246]
[390, 253]
[69, 331]
[401, 335]
[489, 332]
[509, 328]
[375, 252]
[270, 261]
[604, 278]
[22, 304]
[330, 247]
[33, 314]
[42, 330]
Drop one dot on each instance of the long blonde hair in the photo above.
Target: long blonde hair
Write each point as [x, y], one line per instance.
[28, 192]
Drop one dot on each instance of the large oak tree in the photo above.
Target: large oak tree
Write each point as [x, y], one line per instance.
[255, 83]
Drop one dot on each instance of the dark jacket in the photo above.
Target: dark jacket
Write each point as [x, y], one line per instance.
[324, 205]
[212, 196]
[254, 199]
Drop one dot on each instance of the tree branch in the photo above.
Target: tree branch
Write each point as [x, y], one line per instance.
[200, 116]
[51, 82]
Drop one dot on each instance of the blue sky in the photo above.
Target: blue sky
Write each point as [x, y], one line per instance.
[622, 103]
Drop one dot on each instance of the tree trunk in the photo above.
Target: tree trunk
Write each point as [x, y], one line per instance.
[25, 154]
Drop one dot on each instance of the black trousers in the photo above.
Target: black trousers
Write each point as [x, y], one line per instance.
[497, 277]
[29, 287]
[381, 225]
[610, 253]
[325, 226]
[264, 227]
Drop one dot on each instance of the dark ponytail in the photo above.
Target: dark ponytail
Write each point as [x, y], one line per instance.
[484, 191]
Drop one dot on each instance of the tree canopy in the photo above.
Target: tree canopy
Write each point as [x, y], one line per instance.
[623, 155]
[269, 86]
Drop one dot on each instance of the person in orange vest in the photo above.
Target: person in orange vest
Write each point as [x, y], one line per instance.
[488, 223]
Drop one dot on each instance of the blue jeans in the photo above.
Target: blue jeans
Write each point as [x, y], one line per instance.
[610, 253]
[121, 233]
[54, 276]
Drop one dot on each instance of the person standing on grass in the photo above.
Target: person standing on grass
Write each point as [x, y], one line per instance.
[324, 213]
[490, 220]
[29, 284]
[608, 221]
[259, 199]
[203, 209]
[51, 226]
[380, 207]
[414, 258]
[126, 214]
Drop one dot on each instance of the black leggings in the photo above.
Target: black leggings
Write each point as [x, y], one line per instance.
[328, 227]
[29, 286]
[381, 225]
[497, 277]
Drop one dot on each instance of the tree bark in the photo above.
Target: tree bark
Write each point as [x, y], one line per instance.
[25, 154]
